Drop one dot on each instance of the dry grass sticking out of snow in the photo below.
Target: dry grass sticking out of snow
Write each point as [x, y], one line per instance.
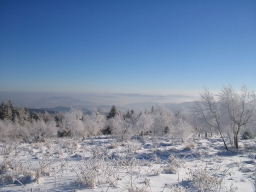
[104, 164]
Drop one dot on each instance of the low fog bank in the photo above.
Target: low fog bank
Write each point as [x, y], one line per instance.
[92, 101]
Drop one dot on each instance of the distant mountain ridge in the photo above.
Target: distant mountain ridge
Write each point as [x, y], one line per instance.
[55, 102]
[174, 107]
[56, 110]
[137, 107]
[52, 102]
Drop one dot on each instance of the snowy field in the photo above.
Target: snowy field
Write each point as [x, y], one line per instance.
[141, 165]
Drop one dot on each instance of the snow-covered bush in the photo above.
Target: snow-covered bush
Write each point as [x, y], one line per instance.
[34, 130]
[182, 130]
[42, 129]
[93, 124]
[205, 179]
[11, 171]
[176, 188]
[72, 122]
[121, 128]
[144, 123]
[173, 165]
[97, 171]
[162, 118]
[247, 135]
[190, 145]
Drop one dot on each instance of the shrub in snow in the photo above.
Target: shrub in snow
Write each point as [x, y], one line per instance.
[112, 146]
[169, 169]
[39, 139]
[209, 180]
[34, 130]
[143, 188]
[247, 135]
[11, 171]
[253, 182]
[245, 169]
[96, 171]
[174, 163]
[3, 130]
[167, 130]
[42, 129]
[175, 188]
[190, 145]
[64, 133]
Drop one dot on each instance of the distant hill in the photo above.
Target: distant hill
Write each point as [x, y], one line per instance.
[86, 109]
[52, 102]
[174, 107]
[56, 110]
[140, 106]
[31, 110]
[64, 103]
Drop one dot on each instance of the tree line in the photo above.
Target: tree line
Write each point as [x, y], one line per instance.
[229, 114]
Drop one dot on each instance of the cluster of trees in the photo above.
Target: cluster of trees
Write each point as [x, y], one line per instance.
[18, 123]
[225, 114]
[10, 113]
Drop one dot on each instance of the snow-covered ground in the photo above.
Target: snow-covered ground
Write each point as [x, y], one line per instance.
[141, 164]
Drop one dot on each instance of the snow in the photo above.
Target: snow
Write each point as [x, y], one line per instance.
[141, 164]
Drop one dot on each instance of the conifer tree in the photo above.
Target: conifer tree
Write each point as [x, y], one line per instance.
[9, 111]
[112, 113]
[2, 106]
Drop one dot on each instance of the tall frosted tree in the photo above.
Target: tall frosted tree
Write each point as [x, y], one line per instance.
[144, 123]
[208, 109]
[228, 112]
[22, 114]
[73, 121]
[239, 108]
[93, 124]
[121, 128]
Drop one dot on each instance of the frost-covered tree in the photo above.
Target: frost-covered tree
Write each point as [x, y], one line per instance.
[2, 107]
[72, 122]
[121, 128]
[162, 119]
[7, 111]
[228, 112]
[183, 130]
[113, 112]
[196, 122]
[42, 129]
[4, 129]
[208, 109]
[144, 123]
[93, 124]
[239, 108]
[46, 116]
[22, 115]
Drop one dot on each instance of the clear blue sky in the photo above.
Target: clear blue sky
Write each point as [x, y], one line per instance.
[140, 46]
